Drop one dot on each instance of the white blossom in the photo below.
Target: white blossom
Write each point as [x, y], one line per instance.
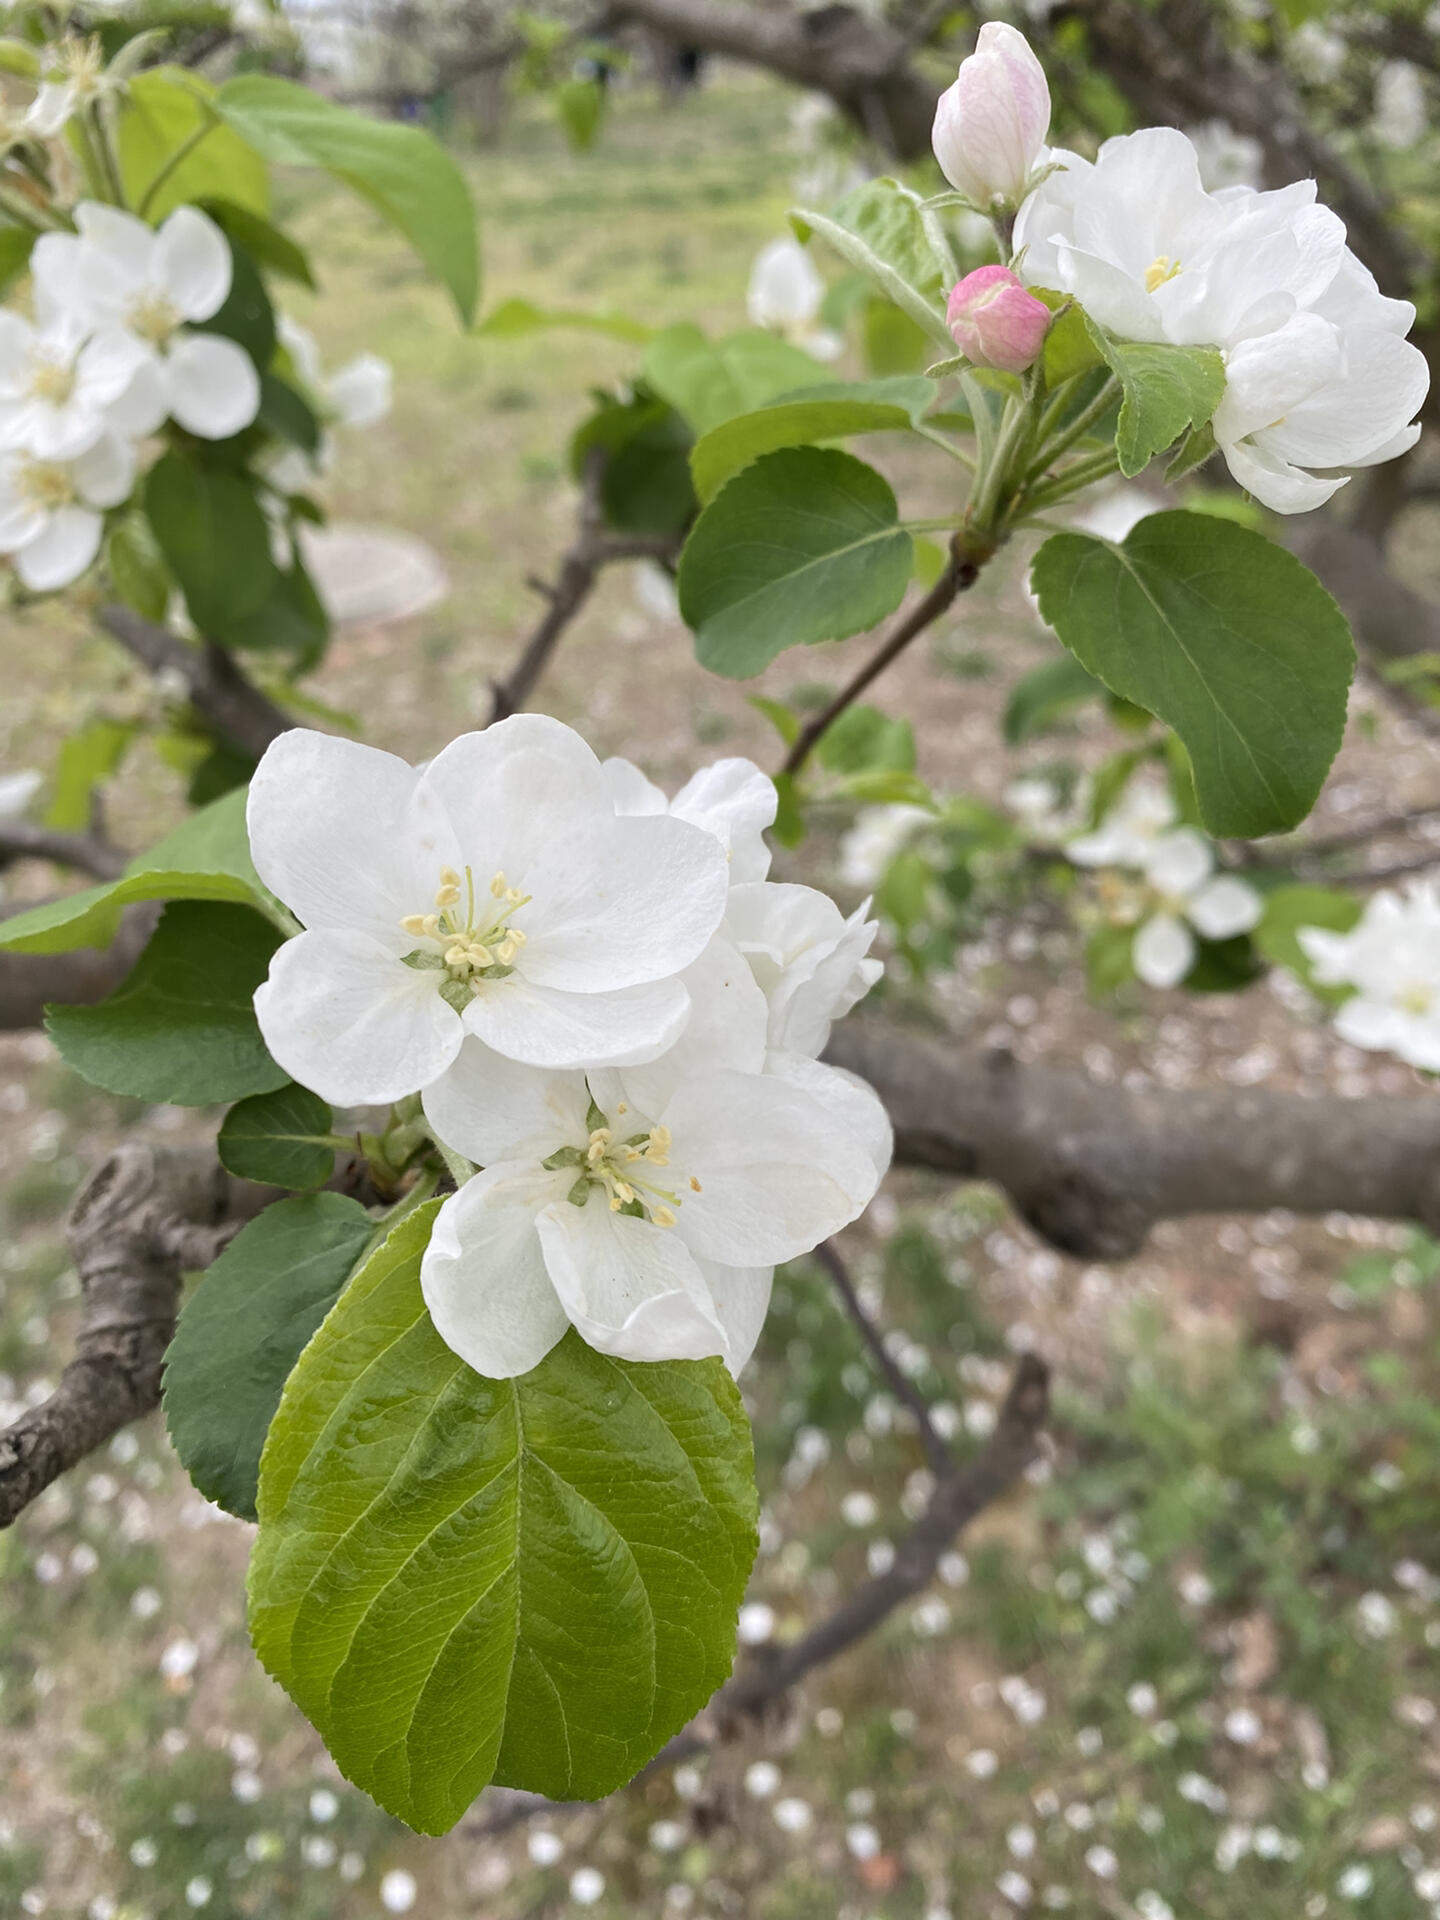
[1319, 376]
[809, 960]
[495, 893]
[733, 800]
[1189, 894]
[878, 835]
[17, 790]
[58, 382]
[51, 511]
[1399, 120]
[990, 124]
[1392, 960]
[1125, 837]
[357, 394]
[785, 296]
[115, 272]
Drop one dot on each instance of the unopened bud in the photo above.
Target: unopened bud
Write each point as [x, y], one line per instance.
[991, 125]
[995, 322]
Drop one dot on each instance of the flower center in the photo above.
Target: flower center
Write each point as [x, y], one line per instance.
[472, 947]
[1160, 269]
[153, 315]
[51, 380]
[1417, 998]
[622, 1170]
[46, 484]
[81, 61]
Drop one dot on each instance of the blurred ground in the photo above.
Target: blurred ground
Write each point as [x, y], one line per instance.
[1189, 1670]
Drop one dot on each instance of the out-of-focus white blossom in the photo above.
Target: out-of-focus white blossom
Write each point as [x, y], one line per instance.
[51, 511]
[1392, 960]
[1399, 119]
[785, 296]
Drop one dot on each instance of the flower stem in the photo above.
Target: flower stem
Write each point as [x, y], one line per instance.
[176, 160]
[1077, 429]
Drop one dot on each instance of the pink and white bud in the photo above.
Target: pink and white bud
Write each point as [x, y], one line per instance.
[991, 125]
[995, 322]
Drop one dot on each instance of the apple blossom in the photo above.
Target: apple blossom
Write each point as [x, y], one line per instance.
[1392, 960]
[785, 296]
[17, 790]
[995, 322]
[732, 799]
[1318, 372]
[1187, 893]
[653, 1231]
[496, 892]
[72, 78]
[1126, 834]
[355, 395]
[808, 958]
[58, 382]
[991, 123]
[878, 835]
[116, 272]
[51, 511]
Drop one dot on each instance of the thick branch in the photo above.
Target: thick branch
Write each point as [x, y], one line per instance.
[213, 682]
[29, 982]
[87, 852]
[1093, 1167]
[148, 1214]
[593, 549]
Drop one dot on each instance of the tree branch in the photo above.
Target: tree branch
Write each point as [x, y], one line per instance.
[213, 682]
[592, 550]
[29, 982]
[87, 852]
[904, 1389]
[1094, 1167]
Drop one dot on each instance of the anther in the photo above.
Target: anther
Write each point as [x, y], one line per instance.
[416, 923]
[663, 1217]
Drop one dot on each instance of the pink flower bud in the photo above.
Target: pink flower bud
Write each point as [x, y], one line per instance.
[991, 125]
[996, 323]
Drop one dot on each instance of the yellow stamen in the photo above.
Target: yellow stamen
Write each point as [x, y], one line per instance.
[450, 878]
[498, 887]
[415, 923]
[447, 896]
[662, 1217]
[695, 1185]
[1160, 269]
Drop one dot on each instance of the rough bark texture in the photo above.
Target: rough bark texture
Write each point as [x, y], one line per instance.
[1094, 1167]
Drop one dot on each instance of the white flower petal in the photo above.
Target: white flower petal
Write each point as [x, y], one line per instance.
[546, 1027]
[785, 289]
[777, 1172]
[352, 1022]
[1179, 862]
[105, 472]
[736, 802]
[810, 961]
[741, 1297]
[630, 1289]
[62, 552]
[483, 1274]
[142, 406]
[1274, 482]
[490, 1108]
[1224, 907]
[360, 393]
[191, 261]
[120, 248]
[211, 386]
[727, 1027]
[629, 789]
[849, 1098]
[1164, 951]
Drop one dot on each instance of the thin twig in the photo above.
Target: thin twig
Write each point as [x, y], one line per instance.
[591, 551]
[936, 1452]
[213, 681]
[1385, 823]
[1397, 870]
[958, 575]
[88, 853]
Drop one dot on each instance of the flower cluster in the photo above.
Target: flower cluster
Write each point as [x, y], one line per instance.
[604, 1004]
[112, 354]
[1178, 895]
[1391, 958]
[1320, 379]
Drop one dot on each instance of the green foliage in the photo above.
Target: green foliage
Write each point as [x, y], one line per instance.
[1169, 391]
[214, 536]
[864, 740]
[881, 229]
[515, 318]
[281, 1139]
[86, 759]
[174, 147]
[711, 381]
[1224, 637]
[261, 239]
[646, 486]
[181, 1027]
[242, 1330]
[405, 176]
[207, 857]
[15, 245]
[137, 567]
[1046, 695]
[832, 413]
[1287, 909]
[802, 546]
[533, 1581]
[246, 317]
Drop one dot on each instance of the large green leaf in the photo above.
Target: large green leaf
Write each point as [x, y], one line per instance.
[207, 857]
[400, 170]
[708, 381]
[802, 546]
[882, 229]
[533, 1581]
[242, 1330]
[181, 1027]
[801, 419]
[214, 537]
[1167, 392]
[279, 1139]
[164, 109]
[1226, 638]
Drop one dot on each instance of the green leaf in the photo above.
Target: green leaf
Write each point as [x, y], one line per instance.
[400, 170]
[1168, 391]
[533, 1581]
[513, 319]
[279, 1139]
[785, 720]
[181, 1028]
[293, 620]
[161, 111]
[864, 740]
[15, 246]
[797, 420]
[261, 239]
[1046, 694]
[802, 546]
[242, 1330]
[85, 760]
[246, 317]
[205, 858]
[646, 486]
[1289, 908]
[137, 567]
[286, 413]
[891, 342]
[215, 538]
[1108, 960]
[19, 58]
[1223, 636]
[581, 107]
[1197, 447]
[710, 381]
[881, 229]
[1070, 347]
